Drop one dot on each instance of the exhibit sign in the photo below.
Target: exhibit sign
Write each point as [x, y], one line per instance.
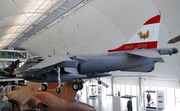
[160, 99]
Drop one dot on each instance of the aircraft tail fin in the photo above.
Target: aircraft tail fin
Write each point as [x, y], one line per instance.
[12, 67]
[145, 38]
[8, 72]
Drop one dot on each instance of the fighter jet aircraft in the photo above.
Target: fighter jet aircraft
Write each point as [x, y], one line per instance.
[174, 40]
[139, 54]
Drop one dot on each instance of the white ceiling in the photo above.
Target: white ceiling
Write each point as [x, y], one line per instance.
[17, 15]
[94, 28]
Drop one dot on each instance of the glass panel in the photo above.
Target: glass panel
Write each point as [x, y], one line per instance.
[128, 91]
[20, 55]
[117, 89]
[122, 90]
[146, 88]
[177, 96]
[170, 97]
[13, 54]
[10, 55]
[137, 87]
[1, 65]
[161, 89]
[153, 88]
[133, 90]
[2, 54]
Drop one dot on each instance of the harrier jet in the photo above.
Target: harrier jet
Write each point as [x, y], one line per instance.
[139, 54]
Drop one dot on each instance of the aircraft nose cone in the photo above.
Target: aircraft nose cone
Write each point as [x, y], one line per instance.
[175, 50]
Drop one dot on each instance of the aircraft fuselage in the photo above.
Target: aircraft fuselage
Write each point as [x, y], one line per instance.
[112, 62]
[119, 61]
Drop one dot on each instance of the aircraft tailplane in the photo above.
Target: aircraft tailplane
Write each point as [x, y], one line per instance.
[145, 38]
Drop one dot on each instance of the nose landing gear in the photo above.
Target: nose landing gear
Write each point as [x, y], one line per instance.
[58, 89]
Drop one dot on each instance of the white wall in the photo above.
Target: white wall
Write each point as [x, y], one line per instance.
[161, 82]
[170, 86]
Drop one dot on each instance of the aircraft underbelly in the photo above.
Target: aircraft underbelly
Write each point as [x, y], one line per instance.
[94, 64]
[103, 64]
[49, 77]
[107, 64]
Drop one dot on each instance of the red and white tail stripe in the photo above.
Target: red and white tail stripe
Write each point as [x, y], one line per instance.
[145, 38]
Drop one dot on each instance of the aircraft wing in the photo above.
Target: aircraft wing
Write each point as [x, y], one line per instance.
[61, 61]
[24, 93]
[145, 53]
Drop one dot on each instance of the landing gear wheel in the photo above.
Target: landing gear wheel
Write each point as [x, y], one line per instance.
[76, 86]
[44, 87]
[81, 85]
[58, 89]
[99, 82]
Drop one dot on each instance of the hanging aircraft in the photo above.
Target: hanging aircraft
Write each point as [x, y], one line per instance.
[10, 69]
[174, 40]
[139, 54]
[46, 101]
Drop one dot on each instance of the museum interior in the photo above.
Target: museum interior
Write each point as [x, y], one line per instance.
[89, 55]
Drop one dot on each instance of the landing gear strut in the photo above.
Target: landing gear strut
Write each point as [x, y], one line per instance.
[58, 89]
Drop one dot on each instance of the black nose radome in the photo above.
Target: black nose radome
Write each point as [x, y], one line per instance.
[175, 50]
